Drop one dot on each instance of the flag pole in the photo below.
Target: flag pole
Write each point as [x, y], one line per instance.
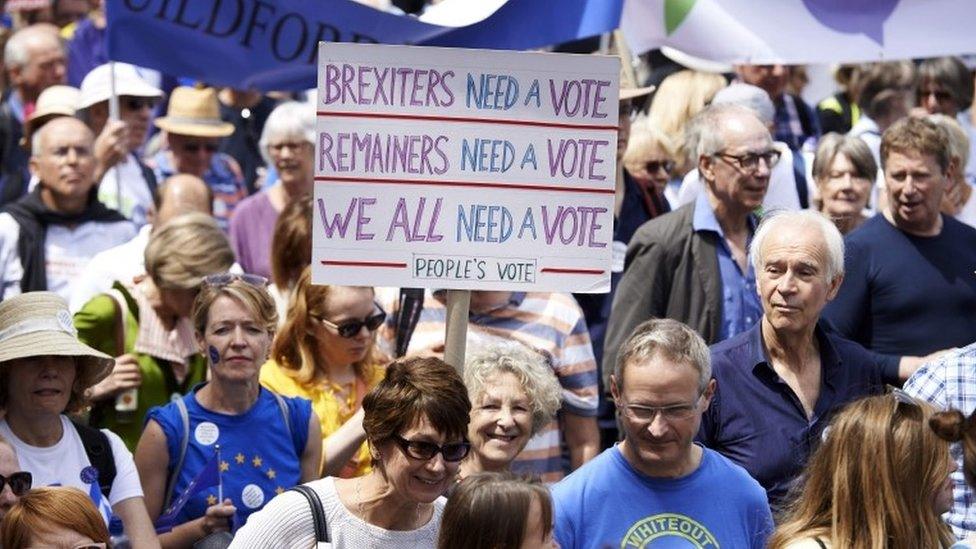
[113, 114]
[220, 478]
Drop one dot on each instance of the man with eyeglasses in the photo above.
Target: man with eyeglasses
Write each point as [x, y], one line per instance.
[657, 484]
[48, 236]
[692, 264]
[910, 287]
[780, 383]
[125, 183]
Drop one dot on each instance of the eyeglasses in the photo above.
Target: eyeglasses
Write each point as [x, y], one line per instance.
[351, 328]
[223, 279]
[750, 161]
[194, 147]
[139, 103]
[422, 450]
[654, 165]
[646, 414]
[19, 482]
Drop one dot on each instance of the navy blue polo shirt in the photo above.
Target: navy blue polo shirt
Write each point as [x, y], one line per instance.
[756, 420]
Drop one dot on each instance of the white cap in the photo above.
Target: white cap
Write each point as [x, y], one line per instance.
[96, 86]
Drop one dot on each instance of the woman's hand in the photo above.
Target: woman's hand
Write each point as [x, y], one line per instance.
[218, 517]
[124, 376]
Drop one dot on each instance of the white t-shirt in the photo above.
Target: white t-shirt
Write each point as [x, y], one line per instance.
[136, 198]
[67, 252]
[286, 523]
[968, 212]
[123, 263]
[62, 464]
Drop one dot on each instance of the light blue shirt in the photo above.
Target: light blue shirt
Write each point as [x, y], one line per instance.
[740, 301]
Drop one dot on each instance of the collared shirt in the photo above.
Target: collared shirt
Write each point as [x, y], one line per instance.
[788, 124]
[756, 420]
[950, 382]
[740, 301]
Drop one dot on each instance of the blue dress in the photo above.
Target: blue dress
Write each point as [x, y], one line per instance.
[259, 457]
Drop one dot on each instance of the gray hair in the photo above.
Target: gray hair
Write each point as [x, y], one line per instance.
[531, 368]
[958, 140]
[950, 73]
[784, 218]
[854, 148]
[289, 119]
[751, 97]
[704, 133]
[15, 51]
[674, 340]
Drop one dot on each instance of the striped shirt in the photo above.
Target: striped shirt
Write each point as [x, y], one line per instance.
[950, 382]
[553, 324]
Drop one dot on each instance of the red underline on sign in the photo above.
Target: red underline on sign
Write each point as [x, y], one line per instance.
[554, 270]
[383, 264]
[478, 184]
[473, 119]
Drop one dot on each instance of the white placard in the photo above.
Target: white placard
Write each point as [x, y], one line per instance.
[464, 169]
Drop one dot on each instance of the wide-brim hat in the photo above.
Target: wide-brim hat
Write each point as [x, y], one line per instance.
[54, 101]
[97, 84]
[39, 324]
[194, 112]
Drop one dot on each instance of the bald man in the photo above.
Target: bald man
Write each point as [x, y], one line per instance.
[48, 236]
[179, 194]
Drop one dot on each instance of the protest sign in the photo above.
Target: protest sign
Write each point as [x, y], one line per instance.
[800, 32]
[462, 169]
[272, 45]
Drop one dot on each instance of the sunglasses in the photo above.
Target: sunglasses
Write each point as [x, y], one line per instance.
[422, 450]
[654, 165]
[139, 103]
[195, 147]
[19, 482]
[223, 279]
[350, 328]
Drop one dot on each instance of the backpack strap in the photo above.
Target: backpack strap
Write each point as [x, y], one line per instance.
[318, 514]
[175, 471]
[99, 451]
[286, 414]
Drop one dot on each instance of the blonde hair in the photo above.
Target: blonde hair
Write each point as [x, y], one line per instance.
[677, 100]
[958, 140]
[644, 136]
[41, 508]
[871, 483]
[294, 349]
[255, 299]
[186, 249]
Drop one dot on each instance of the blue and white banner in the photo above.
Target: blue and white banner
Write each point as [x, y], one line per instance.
[273, 45]
[802, 31]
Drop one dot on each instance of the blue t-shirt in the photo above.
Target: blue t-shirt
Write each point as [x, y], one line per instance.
[608, 503]
[259, 458]
[905, 294]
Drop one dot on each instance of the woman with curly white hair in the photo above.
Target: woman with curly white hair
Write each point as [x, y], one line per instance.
[514, 395]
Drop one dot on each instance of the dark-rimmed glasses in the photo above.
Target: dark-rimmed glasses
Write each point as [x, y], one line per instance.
[138, 103]
[220, 280]
[646, 414]
[654, 165]
[425, 451]
[750, 161]
[350, 328]
[19, 482]
[194, 147]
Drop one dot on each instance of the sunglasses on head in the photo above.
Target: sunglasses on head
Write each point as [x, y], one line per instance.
[351, 328]
[195, 147]
[19, 482]
[139, 103]
[423, 450]
[222, 279]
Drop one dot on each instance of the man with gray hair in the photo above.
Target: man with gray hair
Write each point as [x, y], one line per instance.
[692, 264]
[779, 383]
[658, 484]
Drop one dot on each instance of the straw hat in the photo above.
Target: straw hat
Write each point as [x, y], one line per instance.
[39, 324]
[97, 85]
[194, 112]
[53, 101]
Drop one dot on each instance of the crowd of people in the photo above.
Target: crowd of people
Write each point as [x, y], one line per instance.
[786, 357]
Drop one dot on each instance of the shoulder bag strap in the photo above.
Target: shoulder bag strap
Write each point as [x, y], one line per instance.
[318, 515]
[171, 484]
[820, 543]
[119, 306]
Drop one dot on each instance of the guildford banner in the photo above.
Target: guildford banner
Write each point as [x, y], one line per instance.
[451, 168]
[272, 44]
[802, 31]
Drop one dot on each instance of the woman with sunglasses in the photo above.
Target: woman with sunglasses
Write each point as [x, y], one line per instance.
[14, 483]
[54, 516]
[415, 420]
[258, 443]
[880, 478]
[145, 324]
[326, 352]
